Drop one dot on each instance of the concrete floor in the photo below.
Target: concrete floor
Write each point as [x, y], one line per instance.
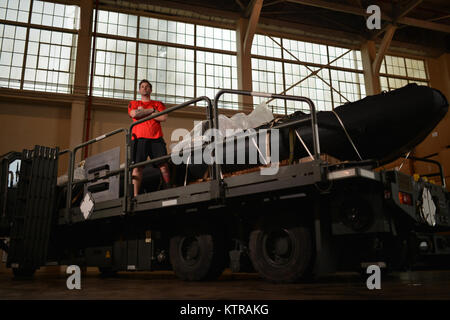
[51, 284]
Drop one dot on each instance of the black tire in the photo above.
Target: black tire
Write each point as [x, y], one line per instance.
[282, 253]
[197, 256]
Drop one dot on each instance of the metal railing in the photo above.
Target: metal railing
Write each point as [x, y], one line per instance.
[212, 118]
[313, 115]
[437, 163]
[128, 165]
[71, 169]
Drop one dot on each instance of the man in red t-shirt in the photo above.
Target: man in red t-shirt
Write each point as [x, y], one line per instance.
[147, 137]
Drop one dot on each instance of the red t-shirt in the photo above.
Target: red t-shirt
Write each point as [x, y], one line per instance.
[149, 129]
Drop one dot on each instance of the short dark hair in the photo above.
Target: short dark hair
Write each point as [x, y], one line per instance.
[144, 80]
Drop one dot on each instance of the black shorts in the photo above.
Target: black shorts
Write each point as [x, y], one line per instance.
[143, 148]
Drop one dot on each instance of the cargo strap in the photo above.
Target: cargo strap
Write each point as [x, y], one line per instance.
[348, 136]
[260, 153]
[275, 122]
[187, 165]
[303, 143]
[401, 165]
[291, 145]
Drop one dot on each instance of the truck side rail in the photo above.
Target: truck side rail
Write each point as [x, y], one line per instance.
[64, 152]
[313, 118]
[210, 112]
[212, 117]
[128, 166]
[437, 163]
[71, 169]
[312, 109]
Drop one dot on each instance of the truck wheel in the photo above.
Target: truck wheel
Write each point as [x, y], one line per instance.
[197, 256]
[281, 254]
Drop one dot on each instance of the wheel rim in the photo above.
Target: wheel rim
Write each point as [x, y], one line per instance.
[278, 247]
[189, 250]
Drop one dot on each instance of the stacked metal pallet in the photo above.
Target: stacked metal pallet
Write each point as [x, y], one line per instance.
[32, 217]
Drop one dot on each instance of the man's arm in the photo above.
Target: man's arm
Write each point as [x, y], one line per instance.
[132, 113]
[161, 107]
[161, 118]
[141, 113]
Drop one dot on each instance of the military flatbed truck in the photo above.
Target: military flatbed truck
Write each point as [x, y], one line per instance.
[309, 219]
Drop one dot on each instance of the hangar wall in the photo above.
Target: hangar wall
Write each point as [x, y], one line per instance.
[24, 125]
[26, 121]
[437, 145]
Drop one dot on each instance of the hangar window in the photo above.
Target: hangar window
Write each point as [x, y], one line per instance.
[397, 72]
[264, 46]
[33, 57]
[267, 76]
[328, 75]
[12, 44]
[166, 31]
[169, 69]
[116, 23]
[15, 10]
[416, 68]
[181, 60]
[55, 15]
[351, 60]
[217, 71]
[50, 61]
[216, 38]
[311, 87]
[305, 51]
[349, 86]
[114, 71]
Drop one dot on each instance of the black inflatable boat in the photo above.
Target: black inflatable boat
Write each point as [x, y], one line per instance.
[380, 128]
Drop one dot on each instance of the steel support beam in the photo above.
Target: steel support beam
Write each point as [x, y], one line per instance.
[81, 81]
[383, 48]
[362, 12]
[244, 64]
[273, 2]
[439, 18]
[407, 9]
[254, 9]
[239, 3]
[339, 7]
[83, 49]
[371, 80]
[425, 24]
[246, 28]
[372, 60]
[313, 72]
[403, 12]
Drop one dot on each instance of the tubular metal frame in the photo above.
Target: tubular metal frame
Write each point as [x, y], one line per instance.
[213, 118]
[128, 165]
